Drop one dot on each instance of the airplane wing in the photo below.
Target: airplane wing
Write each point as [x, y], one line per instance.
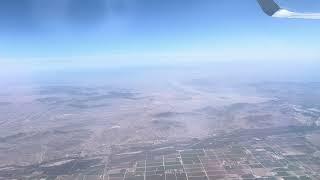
[271, 8]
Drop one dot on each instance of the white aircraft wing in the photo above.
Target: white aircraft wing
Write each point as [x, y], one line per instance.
[271, 8]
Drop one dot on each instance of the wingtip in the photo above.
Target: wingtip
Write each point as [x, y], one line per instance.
[270, 7]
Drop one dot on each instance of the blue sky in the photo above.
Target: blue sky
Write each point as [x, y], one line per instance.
[41, 32]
